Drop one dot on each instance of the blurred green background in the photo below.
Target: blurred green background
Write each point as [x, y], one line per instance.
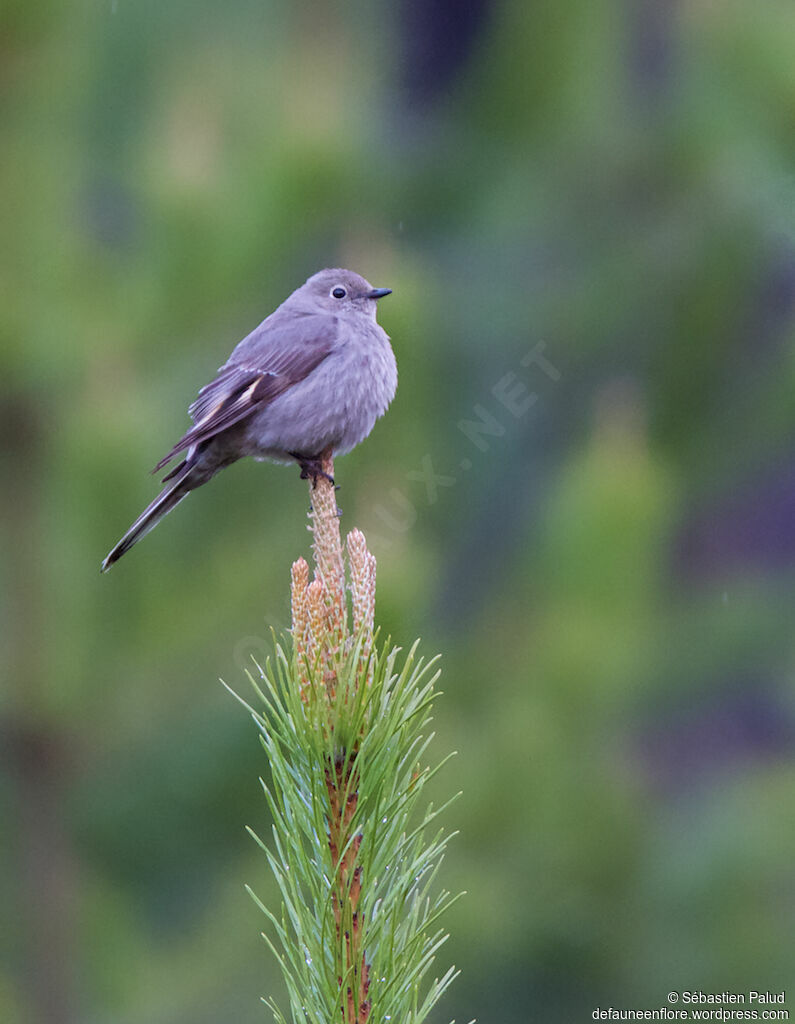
[608, 568]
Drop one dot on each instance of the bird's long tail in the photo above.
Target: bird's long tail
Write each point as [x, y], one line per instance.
[168, 498]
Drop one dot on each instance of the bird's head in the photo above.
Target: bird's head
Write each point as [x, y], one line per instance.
[340, 291]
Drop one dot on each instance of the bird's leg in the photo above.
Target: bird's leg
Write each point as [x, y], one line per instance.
[312, 468]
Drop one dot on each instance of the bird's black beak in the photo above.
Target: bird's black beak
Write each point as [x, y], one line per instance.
[379, 293]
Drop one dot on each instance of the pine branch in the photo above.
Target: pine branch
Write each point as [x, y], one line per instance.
[345, 729]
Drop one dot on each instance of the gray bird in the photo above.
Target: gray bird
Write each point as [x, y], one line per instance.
[315, 375]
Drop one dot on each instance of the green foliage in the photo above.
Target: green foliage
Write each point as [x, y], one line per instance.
[374, 737]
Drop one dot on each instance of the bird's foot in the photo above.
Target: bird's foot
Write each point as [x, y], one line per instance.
[312, 468]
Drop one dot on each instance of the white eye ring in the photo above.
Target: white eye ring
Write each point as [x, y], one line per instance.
[338, 292]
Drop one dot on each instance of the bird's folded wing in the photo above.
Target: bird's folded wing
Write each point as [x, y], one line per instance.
[280, 358]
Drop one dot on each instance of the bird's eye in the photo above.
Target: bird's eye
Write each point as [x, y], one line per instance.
[338, 292]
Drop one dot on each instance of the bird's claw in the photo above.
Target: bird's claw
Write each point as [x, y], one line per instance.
[312, 469]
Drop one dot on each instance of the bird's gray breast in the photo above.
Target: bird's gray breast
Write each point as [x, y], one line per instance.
[337, 404]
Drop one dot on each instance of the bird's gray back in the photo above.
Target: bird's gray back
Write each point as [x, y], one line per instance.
[286, 337]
